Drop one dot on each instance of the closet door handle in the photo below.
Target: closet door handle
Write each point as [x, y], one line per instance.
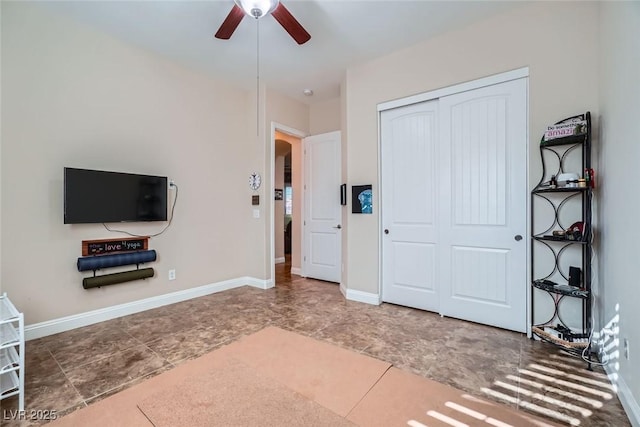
[338, 226]
[517, 237]
[386, 231]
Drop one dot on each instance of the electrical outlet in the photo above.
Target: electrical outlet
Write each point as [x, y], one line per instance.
[614, 328]
[625, 347]
[172, 183]
[172, 274]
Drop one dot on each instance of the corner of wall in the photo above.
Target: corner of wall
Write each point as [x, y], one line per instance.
[618, 151]
[1, 120]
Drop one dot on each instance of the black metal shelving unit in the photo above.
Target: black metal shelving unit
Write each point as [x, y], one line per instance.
[564, 149]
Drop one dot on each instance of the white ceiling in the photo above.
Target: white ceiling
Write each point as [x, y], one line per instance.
[343, 33]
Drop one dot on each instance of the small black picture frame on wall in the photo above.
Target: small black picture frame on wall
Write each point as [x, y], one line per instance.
[361, 199]
[279, 195]
[343, 194]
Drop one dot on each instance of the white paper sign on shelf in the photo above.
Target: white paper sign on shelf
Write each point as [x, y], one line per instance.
[574, 127]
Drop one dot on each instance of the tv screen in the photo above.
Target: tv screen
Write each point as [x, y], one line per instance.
[92, 196]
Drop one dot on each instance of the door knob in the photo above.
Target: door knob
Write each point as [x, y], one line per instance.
[517, 237]
[386, 231]
[338, 226]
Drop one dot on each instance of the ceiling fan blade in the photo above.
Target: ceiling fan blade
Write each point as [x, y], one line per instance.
[289, 23]
[230, 23]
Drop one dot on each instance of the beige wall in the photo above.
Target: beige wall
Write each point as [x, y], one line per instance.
[83, 99]
[0, 150]
[324, 116]
[74, 97]
[556, 41]
[617, 200]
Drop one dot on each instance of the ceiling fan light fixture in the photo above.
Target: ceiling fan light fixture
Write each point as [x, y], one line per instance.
[257, 8]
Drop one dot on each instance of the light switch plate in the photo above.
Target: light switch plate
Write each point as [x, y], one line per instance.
[256, 213]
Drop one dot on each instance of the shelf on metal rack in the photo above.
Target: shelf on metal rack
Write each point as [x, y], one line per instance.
[539, 190]
[565, 140]
[570, 345]
[567, 290]
[548, 238]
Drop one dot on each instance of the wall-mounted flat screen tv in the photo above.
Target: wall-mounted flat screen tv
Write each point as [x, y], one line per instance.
[92, 196]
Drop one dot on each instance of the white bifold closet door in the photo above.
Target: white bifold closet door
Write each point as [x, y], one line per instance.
[454, 205]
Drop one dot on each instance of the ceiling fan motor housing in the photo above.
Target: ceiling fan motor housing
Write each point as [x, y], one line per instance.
[257, 8]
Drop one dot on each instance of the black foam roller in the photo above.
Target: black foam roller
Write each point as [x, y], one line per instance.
[112, 279]
[114, 260]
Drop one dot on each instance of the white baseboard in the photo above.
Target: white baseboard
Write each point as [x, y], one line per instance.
[365, 297]
[629, 402]
[259, 283]
[50, 327]
[280, 260]
[297, 271]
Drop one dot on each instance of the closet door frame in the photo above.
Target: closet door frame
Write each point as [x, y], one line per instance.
[440, 93]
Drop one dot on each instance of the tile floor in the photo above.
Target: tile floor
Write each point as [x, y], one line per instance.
[70, 370]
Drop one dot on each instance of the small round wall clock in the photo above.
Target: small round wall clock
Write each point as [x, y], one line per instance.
[255, 181]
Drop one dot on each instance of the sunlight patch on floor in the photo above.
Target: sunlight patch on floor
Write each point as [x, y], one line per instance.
[569, 384]
[477, 415]
[561, 387]
[561, 403]
[573, 396]
[446, 419]
[563, 374]
[533, 407]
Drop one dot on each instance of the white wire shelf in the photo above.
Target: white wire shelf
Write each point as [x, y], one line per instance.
[9, 384]
[11, 351]
[8, 312]
[8, 335]
[9, 360]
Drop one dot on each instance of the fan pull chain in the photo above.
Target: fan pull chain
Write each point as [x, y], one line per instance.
[258, 77]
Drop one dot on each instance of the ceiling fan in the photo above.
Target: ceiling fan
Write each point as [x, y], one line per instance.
[257, 9]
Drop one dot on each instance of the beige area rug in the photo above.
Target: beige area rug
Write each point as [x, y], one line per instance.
[276, 377]
[235, 395]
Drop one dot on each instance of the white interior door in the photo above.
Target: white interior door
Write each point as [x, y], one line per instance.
[322, 257]
[454, 201]
[484, 176]
[410, 205]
